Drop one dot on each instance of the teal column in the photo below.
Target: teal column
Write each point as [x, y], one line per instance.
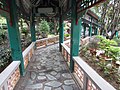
[61, 31]
[96, 31]
[117, 34]
[90, 30]
[32, 28]
[75, 35]
[14, 36]
[84, 30]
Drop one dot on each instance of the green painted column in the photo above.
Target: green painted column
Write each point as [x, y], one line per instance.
[32, 28]
[90, 30]
[61, 31]
[75, 35]
[117, 34]
[14, 37]
[96, 31]
[84, 30]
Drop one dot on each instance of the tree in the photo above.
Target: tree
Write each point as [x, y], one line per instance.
[3, 36]
[51, 24]
[44, 28]
[110, 16]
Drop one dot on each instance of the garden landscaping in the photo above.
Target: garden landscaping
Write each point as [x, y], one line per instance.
[103, 56]
[5, 53]
[5, 58]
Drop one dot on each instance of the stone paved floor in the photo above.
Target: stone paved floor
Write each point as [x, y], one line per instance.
[47, 71]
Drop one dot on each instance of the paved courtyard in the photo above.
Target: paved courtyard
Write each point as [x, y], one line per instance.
[47, 71]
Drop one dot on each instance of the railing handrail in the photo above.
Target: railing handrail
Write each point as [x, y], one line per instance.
[26, 51]
[5, 75]
[93, 75]
[66, 47]
[46, 38]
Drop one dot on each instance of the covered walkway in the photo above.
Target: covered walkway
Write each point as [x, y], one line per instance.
[47, 71]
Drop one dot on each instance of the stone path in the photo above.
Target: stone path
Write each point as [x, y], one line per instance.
[47, 71]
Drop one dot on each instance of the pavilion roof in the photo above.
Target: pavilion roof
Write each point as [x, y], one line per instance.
[50, 8]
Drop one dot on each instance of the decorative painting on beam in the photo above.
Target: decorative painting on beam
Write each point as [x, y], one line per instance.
[86, 4]
[83, 5]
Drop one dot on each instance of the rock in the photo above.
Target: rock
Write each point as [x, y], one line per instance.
[49, 68]
[30, 82]
[34, 86]
[47, 88]
[109, 66]
[67, 87]
[39, 67]
[50, 77]
[57, 69]
[53, 73]
[34, 67]
[41, 77]
[66, 75]
[57, 63]
[69, 82]
[59, 88]
[33, 75]
[58, 76]
[42, 64]
[63, 67]
[41, 74]
[54, 84]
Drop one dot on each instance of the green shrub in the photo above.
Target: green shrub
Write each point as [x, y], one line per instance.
[2, 35]
[44, 28]
[105, 43]
[117, 40]
[25, 31]
[67, 35]
[110, 47]
[5, 57]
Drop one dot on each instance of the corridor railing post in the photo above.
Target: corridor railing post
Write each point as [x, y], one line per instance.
[117, 34]
[84, 30]
[96, 30]
[90, 28]
[32, 27]
[61, 30]
[75, 34]
[14, 36]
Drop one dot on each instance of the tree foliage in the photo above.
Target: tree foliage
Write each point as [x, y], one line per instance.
[2, 36]
[52, 25]
[110, 16]
[44, 28]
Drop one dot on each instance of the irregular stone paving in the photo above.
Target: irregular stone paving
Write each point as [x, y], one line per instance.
[47, 71]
